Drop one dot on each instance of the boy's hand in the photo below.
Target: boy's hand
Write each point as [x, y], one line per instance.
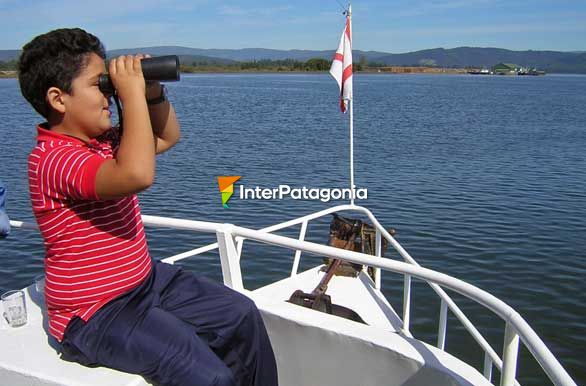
[133, 168]
[153, 87]
[126, 75]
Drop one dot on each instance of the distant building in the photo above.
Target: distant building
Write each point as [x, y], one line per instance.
[506, 69]
[515, 69]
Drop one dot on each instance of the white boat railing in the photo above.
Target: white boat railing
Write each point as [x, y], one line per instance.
[491, 356]
[230, 240]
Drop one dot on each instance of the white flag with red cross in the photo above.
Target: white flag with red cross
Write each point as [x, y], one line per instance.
[341, 68]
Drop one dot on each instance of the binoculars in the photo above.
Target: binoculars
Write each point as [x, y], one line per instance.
[161, 68]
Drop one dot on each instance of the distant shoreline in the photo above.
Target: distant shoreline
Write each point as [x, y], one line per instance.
[8, 74]
[375, 70]
[394, 70]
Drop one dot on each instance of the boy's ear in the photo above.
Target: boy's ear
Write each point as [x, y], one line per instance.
[55, 99]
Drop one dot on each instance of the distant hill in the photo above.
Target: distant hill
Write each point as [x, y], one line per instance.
[186, 55]
[244, 54]
[550, 61]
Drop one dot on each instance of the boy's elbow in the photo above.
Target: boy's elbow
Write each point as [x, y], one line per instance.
[165, 144]
[147, 181]
[176, 135]
[145, 184]
[142, 180]
[174, 140]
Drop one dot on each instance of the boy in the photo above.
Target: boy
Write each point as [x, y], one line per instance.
[108, 303]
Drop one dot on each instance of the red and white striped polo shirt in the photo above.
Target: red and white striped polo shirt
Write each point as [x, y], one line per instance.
[95, 250]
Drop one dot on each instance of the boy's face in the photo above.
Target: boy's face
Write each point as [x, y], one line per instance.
[87, 108]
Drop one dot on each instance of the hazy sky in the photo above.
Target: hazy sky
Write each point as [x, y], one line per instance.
[390, 26]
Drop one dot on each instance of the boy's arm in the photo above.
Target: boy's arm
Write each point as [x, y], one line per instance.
[133, 169]
[163, 120]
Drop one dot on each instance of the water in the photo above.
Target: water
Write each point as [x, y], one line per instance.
[484, 178]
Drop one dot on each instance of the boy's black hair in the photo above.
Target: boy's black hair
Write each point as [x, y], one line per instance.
[54, 59]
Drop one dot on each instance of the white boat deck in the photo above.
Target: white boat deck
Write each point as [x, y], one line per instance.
[310, 346]
[372, 306]
[314, 348]
[29, 356]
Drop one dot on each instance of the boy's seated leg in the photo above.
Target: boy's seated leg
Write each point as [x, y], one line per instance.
[228, 320]
[149, 341]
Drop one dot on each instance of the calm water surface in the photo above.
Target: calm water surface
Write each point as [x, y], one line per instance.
[483, 177]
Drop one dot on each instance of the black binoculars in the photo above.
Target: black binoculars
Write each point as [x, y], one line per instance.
[161, 68]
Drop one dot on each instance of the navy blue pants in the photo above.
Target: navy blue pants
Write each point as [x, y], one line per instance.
[177, 329]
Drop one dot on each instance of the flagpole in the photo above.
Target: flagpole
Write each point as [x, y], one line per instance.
[351, 102]
[342, 72]
[351, 151]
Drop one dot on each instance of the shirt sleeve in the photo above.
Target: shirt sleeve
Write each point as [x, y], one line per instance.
[70, 173]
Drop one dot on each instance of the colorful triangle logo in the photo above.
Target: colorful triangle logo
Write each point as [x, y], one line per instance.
[226, 185]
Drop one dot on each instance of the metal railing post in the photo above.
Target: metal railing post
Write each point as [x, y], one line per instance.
[406, 302]
[298, 251]
[443, 322]
[229, 258]
[510, 352]
[239, 246]
[378, 249]
[487, 367]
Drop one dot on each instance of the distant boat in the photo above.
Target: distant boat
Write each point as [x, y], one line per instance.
[531, 71]
[484, 71]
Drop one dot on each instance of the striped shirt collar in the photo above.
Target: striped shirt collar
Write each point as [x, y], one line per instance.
[44, 134]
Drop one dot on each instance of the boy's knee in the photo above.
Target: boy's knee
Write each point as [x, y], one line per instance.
[249, 321]
[224, 378]
[244, 304]
[246, 308]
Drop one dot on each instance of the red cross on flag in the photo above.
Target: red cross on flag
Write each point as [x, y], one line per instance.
[341, 68]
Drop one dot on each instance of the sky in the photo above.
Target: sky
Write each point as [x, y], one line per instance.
[394, 26]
